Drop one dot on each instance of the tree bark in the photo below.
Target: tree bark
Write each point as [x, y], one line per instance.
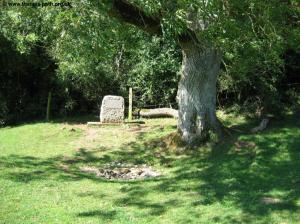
[200, 68]
[197, 92]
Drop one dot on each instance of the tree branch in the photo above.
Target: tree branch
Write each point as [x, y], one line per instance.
[125, 11]
[129, 13]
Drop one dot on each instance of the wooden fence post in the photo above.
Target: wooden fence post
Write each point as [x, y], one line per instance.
[130, 105]
[48, 106]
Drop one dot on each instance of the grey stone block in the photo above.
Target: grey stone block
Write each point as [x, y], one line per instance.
[112, 109]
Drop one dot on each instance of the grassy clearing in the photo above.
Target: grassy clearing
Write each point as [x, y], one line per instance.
[41, 181]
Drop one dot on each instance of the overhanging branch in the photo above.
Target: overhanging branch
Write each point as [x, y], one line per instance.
[125, 11]
[129, 13]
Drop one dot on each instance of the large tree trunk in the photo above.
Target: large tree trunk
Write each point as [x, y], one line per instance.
[197, 92]
[201, 64]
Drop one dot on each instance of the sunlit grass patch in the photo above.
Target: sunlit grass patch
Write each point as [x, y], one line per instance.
[248, 178]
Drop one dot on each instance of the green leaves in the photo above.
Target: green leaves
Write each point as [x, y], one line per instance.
[96, 54]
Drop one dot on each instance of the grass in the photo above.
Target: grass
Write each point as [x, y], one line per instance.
[41, 181]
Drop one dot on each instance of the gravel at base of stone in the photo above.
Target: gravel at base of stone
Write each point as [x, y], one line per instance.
[122, 171]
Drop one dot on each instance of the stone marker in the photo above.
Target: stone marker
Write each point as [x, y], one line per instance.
[112, 109]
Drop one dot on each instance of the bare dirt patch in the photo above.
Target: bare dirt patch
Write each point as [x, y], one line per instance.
[244, 144]
[139, 129]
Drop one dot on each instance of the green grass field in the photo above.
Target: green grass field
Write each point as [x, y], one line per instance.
[41, 180]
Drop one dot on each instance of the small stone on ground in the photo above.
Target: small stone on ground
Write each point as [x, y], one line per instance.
[270, 201]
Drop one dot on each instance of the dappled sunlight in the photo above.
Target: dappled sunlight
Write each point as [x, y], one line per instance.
[256, 182]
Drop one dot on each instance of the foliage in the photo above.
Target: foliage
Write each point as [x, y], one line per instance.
[154, 72]
[23, 88]
[95, 55]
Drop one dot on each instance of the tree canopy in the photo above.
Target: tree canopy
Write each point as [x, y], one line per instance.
[88, 53]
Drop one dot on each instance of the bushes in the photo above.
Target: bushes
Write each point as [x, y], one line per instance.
[3, 111]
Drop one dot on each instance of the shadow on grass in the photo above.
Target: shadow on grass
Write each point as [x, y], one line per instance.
[83, 119]
[222, 175]
[101, 214]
